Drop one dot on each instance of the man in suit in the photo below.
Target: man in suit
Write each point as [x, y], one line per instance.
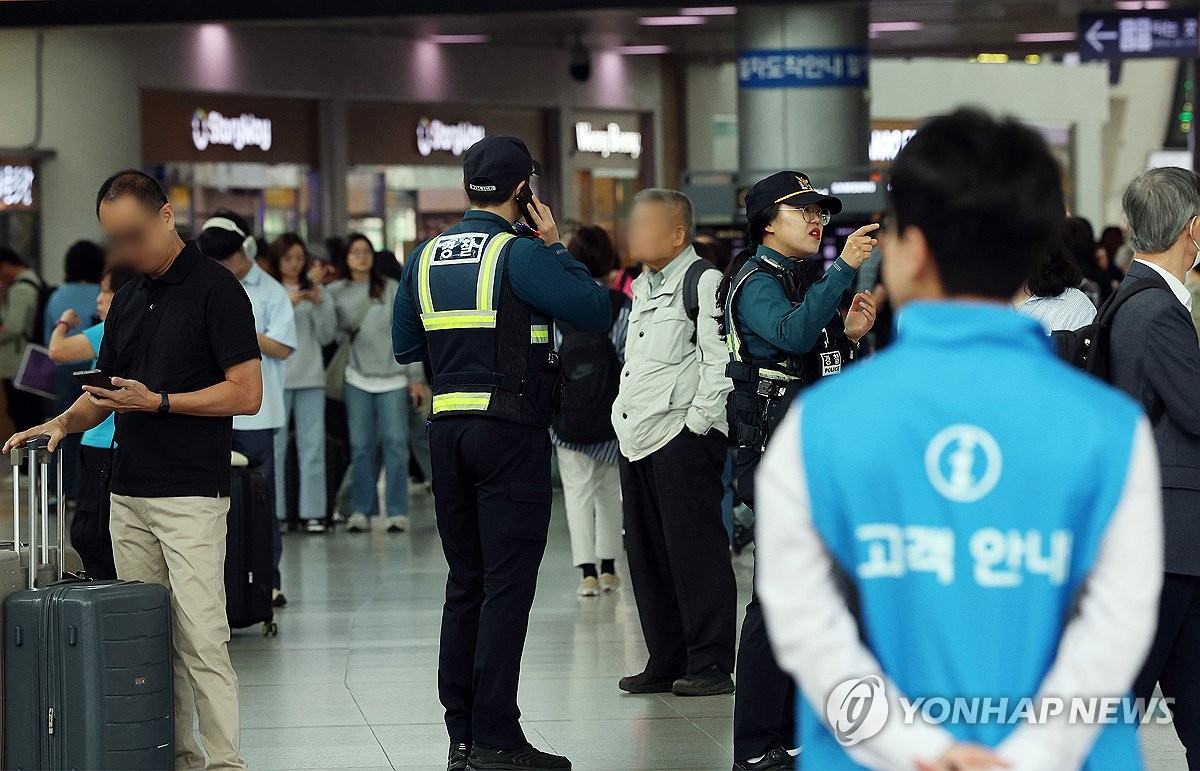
[1155, 357]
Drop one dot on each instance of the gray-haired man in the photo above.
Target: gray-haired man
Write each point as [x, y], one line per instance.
[670, 420]
[1155, 357]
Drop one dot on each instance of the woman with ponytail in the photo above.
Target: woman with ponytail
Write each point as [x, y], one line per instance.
[785, 332]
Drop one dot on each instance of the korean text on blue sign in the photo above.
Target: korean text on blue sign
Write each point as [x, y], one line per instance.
[1139, 34]
[803, 68]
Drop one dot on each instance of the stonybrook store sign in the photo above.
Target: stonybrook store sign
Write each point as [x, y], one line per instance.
[245, 130]
[607, 141]
[454, 138]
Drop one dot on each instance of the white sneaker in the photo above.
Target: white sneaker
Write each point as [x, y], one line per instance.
[589, 586]
[397, 524]
[358, 523]
[314, 526]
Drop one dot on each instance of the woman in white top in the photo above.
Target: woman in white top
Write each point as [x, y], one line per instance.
[1051, 295]
[379, 392]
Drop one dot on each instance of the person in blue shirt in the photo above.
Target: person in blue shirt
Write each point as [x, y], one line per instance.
[784, 331]
[477, 302]
[226, 238]
[963, 519]
[82, 268]
[89, 526]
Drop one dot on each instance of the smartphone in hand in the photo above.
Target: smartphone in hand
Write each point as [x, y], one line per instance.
[95, 378]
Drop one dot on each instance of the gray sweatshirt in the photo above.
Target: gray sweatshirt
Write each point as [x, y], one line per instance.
[316, 327]
[372, 352]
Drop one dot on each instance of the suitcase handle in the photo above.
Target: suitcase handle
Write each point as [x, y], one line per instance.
[36, 452]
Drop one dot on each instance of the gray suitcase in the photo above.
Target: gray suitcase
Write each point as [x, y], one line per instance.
[14, 575]
[88, 663]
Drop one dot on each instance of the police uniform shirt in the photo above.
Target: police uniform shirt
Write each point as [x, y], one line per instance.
[967, 550]
[546, 278]
[770, 325]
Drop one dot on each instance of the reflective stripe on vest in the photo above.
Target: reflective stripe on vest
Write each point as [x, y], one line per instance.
[734, 342]
[486, 291]
[439, 320]
[461, 402]
[424, 295]
[539, 334]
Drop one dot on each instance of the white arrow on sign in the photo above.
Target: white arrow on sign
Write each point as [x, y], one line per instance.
[1096, 38]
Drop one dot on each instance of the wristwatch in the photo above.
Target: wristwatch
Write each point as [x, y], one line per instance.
[165, 406]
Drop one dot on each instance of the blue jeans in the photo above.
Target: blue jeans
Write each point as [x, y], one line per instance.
[378, 424]
[308, 405]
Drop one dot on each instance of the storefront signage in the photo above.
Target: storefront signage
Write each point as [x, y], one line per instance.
[454, 138]
[16, 186]
[803, 68]
[610, 140]
[191, 127]
[886, 144]
[1139, 34]
[210, 127]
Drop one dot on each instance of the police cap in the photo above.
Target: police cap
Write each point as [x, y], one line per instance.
[790, 187]
[497, 163]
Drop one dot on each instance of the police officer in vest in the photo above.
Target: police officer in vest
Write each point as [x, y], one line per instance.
[478, 300]
[784, 331]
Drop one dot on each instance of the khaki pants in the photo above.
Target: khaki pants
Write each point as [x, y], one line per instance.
[180, 543]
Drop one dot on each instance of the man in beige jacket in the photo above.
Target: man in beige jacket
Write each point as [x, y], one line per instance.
[670, 420]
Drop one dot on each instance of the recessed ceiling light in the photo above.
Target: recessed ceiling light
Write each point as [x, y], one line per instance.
[876, 27]
[647, 50]
[671, 21]
[1046, 37]
[713, 10]
[458, 39]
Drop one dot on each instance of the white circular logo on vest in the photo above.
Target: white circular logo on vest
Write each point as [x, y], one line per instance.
[963, 462]
[857, 709]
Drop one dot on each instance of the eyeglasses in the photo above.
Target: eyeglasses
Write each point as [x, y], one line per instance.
[812, 214]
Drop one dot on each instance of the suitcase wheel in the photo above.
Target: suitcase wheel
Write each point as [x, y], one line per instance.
[270, 629]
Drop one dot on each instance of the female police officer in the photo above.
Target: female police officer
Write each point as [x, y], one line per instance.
[784, 331]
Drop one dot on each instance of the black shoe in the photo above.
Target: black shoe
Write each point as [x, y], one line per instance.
[485, 758]
[778, 758]
[459, 753]
[710, 682]
[277, 599]
[646, 683]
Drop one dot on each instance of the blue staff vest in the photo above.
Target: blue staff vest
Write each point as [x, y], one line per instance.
[489, 351]
[965, 505]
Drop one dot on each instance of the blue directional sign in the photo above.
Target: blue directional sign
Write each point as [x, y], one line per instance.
[1139, 34]
[803, 68]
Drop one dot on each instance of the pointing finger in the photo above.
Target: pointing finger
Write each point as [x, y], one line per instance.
[867, 229]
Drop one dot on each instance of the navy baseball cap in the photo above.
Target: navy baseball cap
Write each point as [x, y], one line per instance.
[790, 187]
[498, 162]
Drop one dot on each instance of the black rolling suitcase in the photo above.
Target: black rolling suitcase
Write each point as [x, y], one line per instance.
[249, 563]
[87, 664]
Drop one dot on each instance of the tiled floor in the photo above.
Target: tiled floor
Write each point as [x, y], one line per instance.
[350, 682]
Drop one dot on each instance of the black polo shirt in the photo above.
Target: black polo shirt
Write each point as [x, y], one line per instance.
[178, 333]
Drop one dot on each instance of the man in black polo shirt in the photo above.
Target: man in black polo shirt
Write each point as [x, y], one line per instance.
[183, 357]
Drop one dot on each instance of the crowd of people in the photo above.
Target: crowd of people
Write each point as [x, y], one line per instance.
[672, 383]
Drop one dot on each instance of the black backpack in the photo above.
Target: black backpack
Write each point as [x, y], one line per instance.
[592, 375]
[1087, 347]
[44, 290]
[691, 290]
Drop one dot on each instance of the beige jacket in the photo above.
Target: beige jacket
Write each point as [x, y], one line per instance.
[18, 322]
[668, 381]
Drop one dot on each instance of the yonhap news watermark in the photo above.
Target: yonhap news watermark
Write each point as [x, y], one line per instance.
[858, 709]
